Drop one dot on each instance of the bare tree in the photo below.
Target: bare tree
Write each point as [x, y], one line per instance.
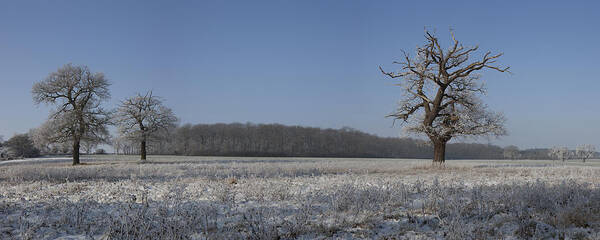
[40, 140]
[511, 152]
[585, 151]
[89, 146]
[142, 117]
[561, 153]
[21, 145]
[2, 148]
[441, 91]
[44, 139]
[123, 144]
[4, 153]
[117, 144]
[78, 93]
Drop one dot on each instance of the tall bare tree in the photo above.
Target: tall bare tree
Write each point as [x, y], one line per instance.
[585, 151]
[142, 117]
[441, 93]
[77, 93]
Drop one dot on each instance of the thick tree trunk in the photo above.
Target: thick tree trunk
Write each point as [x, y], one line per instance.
[439, 152]
[75, 152]
[143, 150]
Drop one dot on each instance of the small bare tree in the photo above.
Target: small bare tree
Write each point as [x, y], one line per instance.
[585, 151]
[89, 146]
[45, 138]
[511, 152]
[1, 145]
[561, 153]
[441, 91]
[3, 149]
[78, 93]
[22, 146]
[142, 117]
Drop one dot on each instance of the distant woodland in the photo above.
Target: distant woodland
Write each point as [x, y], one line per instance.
[249, 139]
[262, 140]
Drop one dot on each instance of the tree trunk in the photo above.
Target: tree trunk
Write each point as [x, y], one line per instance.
[143, 150]
[439, 152]
[75, 152]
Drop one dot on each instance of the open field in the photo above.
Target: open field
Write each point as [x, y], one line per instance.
[115, 197]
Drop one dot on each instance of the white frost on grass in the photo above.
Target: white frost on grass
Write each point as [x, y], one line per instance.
[291, 198]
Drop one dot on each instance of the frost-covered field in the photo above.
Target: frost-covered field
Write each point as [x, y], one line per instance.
[114, 197]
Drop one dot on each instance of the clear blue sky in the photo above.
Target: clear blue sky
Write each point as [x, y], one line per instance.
[311, 63]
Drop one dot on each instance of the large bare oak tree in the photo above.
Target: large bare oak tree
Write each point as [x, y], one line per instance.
[441, 93]
[78, 93]
[143, 117]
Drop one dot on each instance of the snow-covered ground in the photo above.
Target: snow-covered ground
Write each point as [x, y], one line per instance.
[115, 197]
[33, 160]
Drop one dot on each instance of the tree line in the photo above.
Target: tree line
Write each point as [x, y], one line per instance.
[582, 152]
[256, 140]
[237, 139]
[277, 140]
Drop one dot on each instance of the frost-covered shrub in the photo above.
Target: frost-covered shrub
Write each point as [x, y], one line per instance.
[258, 224]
